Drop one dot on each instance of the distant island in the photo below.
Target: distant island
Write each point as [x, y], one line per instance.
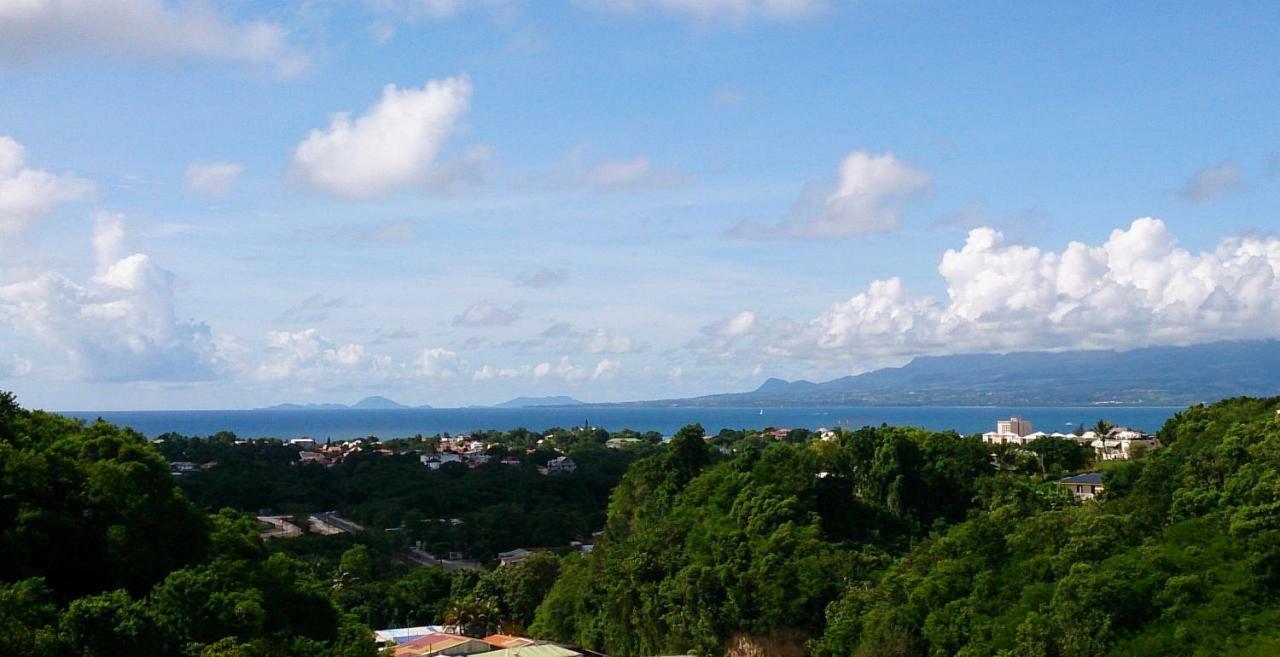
[375, 402]
[1152, 376]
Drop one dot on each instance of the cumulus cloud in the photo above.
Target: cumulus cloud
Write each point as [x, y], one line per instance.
[606, 369]
[307, 354]
[490, 373]
[439, 363]
[213, 179]
[543, 277]
[393, 145]
[715, 10]
[867, 197]
[27, 194]
[1138, 288]
[1212, 182]
[486, 314]
[36, 29]
[120, 325]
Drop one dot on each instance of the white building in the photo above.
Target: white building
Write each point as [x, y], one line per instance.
[1123, 443]
[1015, 431]
[434, 461]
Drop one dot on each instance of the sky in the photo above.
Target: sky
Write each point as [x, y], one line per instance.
[452, 202]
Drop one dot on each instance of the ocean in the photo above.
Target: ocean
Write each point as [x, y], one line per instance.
[349, 423]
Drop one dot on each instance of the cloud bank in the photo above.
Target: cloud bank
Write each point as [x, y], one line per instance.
[121, 324]
[1138, 288]
[36, 29]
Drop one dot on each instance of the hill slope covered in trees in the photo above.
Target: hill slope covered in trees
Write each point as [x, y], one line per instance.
[896, 542]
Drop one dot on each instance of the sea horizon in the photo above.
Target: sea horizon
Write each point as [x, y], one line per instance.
[347, 423]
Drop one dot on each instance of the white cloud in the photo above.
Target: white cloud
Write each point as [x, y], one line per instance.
[309, 355]
[439, 363]
[214, 179]
[1212, 182]
[868, 197]
[490, 373]
[391, 146]
[121, 325]
[711, 10]
[28, 194]
[601, 341]
[486, 314]
[35, 29]
[606, 369]
[1136, 289]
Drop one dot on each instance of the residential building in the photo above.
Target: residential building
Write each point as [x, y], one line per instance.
[508, 641]
[179, 468]
[401, 635]
[1084, 486]
[536, 650]
[513, 556]
[1123, 443]
[561, 465]
[279, 527]
[436, 461]
[440, 644]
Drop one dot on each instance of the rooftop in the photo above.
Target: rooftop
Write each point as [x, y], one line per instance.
[1094, 478]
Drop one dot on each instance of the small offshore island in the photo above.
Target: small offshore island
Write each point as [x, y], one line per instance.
[872, 540]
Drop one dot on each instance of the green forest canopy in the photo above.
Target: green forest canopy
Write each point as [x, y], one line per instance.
[885, 541]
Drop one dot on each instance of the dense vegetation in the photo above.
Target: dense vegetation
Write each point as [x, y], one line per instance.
[104, 556]
[882, 541]
[897, 542]
[477, 511]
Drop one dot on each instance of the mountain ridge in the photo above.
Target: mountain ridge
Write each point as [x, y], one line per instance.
[1147, 376]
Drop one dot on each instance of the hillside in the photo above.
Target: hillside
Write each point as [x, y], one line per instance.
[1153, 376]
[892, 542]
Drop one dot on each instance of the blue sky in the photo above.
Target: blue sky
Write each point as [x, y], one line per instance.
[616, 199]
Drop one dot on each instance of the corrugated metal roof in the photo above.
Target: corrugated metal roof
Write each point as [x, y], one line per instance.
[1094, 478]
[539, 650]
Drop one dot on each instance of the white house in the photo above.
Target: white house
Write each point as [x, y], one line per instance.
[1123, 443]
[435, 461]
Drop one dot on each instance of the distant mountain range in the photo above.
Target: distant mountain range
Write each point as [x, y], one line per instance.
[1153, 376]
